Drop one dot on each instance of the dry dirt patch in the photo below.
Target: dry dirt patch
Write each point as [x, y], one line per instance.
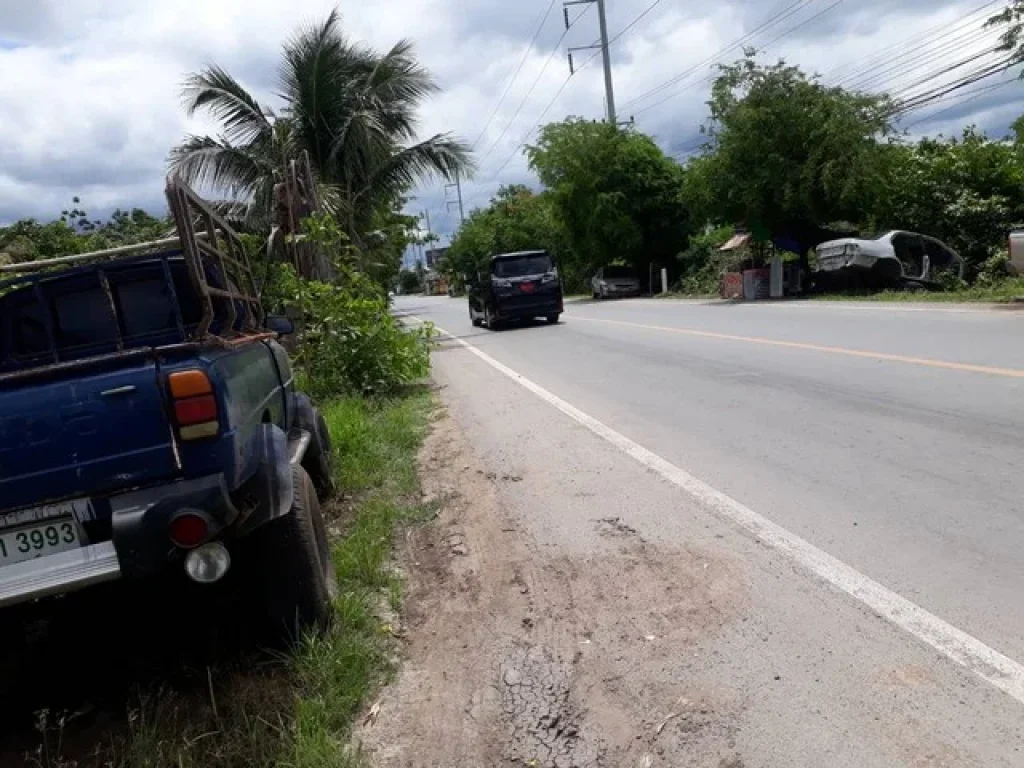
[514, 658]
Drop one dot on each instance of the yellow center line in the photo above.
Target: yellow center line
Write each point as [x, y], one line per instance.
[906, 359]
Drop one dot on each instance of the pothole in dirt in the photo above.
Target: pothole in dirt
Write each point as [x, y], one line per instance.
[545, 725]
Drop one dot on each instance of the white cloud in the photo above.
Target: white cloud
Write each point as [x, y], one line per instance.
[90, 93]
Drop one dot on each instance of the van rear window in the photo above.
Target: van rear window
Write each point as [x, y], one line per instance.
[520, 266]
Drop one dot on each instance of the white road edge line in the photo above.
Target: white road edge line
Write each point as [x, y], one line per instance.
[987, 663]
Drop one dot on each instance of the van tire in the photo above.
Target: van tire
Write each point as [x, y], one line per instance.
[552, 319]
[292, 557]
[489, 320]
[318, 461]
[474, 319]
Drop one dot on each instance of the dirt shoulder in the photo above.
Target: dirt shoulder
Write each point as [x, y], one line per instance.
[518, 655]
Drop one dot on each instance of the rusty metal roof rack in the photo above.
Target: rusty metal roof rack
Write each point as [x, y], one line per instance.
[212, 249]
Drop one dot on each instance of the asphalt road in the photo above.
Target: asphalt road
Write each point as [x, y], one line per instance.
[888, 437]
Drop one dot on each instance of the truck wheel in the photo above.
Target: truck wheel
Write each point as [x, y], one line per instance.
[293, 559]
[318, 461]
[473, 318]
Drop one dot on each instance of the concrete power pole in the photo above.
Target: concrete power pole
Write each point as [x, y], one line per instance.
[607, 56]
[458, 191]
[609, 91]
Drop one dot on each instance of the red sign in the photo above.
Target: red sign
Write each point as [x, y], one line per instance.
[527, 287]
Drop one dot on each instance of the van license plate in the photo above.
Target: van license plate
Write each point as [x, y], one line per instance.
[527, 287]
[38, 541]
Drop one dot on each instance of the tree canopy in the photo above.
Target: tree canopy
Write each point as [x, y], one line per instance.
[516, 219]
[786, 154]
[618, 196]
[352, 109]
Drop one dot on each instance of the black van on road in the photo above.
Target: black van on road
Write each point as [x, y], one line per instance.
[517, 286]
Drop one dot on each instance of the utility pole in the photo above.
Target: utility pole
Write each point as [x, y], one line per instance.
[607, 56]
[609, 91]
[458, 190]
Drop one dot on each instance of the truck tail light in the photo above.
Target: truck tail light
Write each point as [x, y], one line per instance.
[188, 530]
[195, 407]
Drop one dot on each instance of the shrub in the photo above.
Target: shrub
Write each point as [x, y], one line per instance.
[348, 341]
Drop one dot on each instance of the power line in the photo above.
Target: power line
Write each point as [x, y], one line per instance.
[791, 9]
[977, 93]
[534, 84]
[923, 99]
[927, 40]
[551, 103]
[515, 75]
[635, 21]
[882, 55]
[774, 40]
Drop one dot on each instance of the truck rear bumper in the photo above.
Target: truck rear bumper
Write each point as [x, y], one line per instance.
[63, 572]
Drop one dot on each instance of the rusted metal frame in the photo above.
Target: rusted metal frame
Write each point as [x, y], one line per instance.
[86, 362]
[193, 259]
[179, 319]
[105, 285]
[51, 331]
[207, 216]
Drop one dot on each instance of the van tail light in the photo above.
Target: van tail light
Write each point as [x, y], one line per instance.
[195, 407]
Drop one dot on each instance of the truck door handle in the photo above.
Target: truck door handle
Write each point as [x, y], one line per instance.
[126, 390]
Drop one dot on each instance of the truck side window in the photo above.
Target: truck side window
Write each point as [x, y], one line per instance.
[84, 318]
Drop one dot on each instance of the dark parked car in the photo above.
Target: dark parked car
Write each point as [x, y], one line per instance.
[516, 286]
[615, 281]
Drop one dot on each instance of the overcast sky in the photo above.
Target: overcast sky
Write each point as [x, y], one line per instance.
[89, 93]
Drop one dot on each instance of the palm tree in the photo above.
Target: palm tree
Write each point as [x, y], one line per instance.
[351, 109]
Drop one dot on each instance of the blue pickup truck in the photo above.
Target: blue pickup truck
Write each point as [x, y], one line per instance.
[149, 421]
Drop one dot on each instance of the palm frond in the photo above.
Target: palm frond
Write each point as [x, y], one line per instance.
[217, 165]
[216, 91]
[440, 155]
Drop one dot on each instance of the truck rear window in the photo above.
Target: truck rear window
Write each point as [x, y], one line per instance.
[83, 319]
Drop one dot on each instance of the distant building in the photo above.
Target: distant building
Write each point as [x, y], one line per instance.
[434, 256]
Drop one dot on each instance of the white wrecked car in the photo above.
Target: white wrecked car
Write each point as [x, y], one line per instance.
[892, 259]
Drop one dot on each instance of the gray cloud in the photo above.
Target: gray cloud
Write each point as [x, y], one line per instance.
[90, 96]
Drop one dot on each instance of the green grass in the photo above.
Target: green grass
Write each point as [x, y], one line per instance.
[297, 710]
[999, 293]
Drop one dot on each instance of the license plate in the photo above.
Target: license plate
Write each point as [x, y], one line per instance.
[35, 541]
[527, 287]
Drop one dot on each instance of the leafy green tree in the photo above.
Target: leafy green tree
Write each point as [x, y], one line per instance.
[517, 219]
[1011, 18]
[74, 232]
[618, 195]
[787, 154]
[351, 108]
[966, 191]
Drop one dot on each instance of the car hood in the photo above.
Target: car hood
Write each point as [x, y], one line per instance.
[873, 247]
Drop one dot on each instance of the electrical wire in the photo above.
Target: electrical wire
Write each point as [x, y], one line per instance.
[929, 39]
[711, 79]
[515, 75]
[533, 85]
[960, 101]
[634, 22]
[791, 9]
[536, 125]
[883, 55]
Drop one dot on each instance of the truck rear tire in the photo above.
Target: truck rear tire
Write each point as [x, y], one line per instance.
[318, 461]
[293, 560]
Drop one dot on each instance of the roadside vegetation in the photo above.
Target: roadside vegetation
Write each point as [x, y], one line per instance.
[782, 156]
[296, 707]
